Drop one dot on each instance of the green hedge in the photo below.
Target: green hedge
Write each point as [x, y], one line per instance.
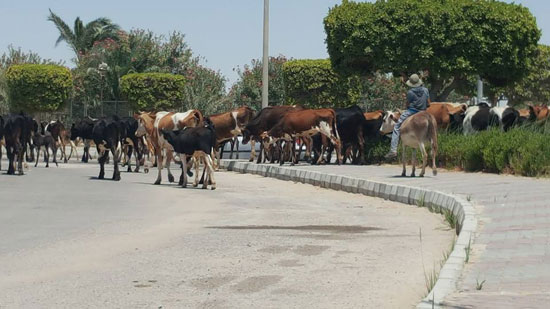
[38, 87]
[153, 91]
[520, 151]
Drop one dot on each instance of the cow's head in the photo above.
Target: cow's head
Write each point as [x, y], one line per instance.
[246, 136]
[390, 118]
[539, 112]
[74, 132]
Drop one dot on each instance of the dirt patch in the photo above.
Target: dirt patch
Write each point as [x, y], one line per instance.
[256, 284]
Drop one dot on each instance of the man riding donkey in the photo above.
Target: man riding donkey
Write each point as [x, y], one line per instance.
[418, 99]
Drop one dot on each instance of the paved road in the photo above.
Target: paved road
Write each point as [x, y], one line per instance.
[511, 253]
[69, 241]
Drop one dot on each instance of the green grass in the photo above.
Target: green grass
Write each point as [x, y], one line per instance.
[522, 151]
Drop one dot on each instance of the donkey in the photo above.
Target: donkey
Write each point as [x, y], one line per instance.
[416, 131]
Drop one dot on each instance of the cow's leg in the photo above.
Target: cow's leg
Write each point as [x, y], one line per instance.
[413, 159]
[47, 155]
[205, 171]
[237, 146]
[73, 148]
[404, 158]
[184, 169]
[9, 153]
[130, 150]
[232, 144]
[293, 157]
[209, 166]
[37, 156]
[261, 152]
[219, 162]
[63, 150]
[116, 160]
[159, 158]
[281, 153]
[102, 157]
[424, 159]
[196, 162]
[169, 158]
[54, 151]
[252, 150]
[0, 155]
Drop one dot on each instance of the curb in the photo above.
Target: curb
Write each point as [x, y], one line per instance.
[461, 208]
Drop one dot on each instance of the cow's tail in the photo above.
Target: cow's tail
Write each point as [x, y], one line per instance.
[335, 126]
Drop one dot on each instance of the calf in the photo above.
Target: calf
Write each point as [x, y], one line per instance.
[416, 131]
[17, 134]
[150, 125]
[106, 135]
[44, 139]
[198, 142]
[307, 123]
[266, 119]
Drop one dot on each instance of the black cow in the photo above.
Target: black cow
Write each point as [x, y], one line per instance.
[17, 133]
[43, 138]
[130, 142]
[1, 137]
[199, 143]
[350, 122]
[83, 129]
[107, 134]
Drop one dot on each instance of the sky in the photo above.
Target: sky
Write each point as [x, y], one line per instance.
[227, 33]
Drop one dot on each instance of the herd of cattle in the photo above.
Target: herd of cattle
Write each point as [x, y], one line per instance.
[191, 139]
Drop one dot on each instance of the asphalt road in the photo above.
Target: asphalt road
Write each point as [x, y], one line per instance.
[68, 240]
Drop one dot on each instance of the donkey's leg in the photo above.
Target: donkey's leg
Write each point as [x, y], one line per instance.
[424, 159]
[413, 162]
[404, 159]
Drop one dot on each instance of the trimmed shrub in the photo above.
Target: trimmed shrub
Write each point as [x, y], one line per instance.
[313, 83]
[153, 91]
[38, 87]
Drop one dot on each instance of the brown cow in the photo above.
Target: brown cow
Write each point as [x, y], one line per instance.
[539, 112]
[443, 112]
[263, 121]
[307, 123]
[416, 130]
[229, 125]
[150, 124]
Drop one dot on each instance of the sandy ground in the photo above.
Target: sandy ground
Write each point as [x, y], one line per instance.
[69, 241]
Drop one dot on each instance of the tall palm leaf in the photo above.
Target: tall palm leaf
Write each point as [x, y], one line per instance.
[83, 36]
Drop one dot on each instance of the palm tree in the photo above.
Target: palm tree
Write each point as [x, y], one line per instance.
[82, 38]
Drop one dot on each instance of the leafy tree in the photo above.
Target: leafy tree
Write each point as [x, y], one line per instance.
[248, 88]
[313, 83]
[38, 87]
[449, 41]
[205, 90]
[83, 36]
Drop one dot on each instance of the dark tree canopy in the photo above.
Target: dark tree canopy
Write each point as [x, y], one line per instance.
[448, 40]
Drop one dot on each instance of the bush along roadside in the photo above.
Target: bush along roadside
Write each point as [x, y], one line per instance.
[520, 151]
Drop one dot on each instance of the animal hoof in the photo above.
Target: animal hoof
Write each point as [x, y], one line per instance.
[213, 188]
[146, 170]
[403, 175]
[157, 182]
[170, 178]
[413, 175]
[434, 172]
[195, 185]
[116, 178]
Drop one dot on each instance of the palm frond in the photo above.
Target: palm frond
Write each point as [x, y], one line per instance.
[65, 32]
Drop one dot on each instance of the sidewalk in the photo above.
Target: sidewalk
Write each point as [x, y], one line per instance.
[511, 252]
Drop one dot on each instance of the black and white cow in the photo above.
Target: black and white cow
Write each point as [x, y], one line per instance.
[197, 142]
[83, 129]
[481, 117]
[17, 134]
[107, 134]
